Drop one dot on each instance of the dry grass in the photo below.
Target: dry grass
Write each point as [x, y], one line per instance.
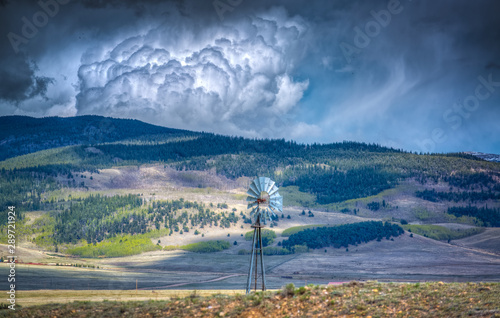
[355, 299]
[43, 297]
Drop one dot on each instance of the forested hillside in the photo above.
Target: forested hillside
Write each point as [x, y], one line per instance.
[21, 135]
[332, 172]
[327, 173]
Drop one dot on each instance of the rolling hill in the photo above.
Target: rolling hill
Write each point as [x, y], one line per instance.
[101, 187]
[22, 134]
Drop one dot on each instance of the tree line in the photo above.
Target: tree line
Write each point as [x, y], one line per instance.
[332, 185]
[489, 216]
[97, 217]
[343, 235]
[472, 196]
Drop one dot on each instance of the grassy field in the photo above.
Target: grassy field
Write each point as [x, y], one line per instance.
[354, 299]
[296, 229]
[27, 298]
[441, 233]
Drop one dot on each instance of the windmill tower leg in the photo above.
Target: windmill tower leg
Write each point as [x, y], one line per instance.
[249, 281]
[256, 261]
[262, 261]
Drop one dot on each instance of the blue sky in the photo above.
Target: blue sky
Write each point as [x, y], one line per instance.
[417, 75]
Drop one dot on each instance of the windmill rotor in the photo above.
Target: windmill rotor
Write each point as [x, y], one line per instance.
[264, 199]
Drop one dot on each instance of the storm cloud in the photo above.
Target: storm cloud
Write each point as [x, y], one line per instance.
[397, 73]
[213, 79]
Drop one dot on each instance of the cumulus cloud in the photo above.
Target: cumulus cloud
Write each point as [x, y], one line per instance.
[237, 79]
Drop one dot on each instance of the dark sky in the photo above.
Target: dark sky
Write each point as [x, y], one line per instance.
[418, 75]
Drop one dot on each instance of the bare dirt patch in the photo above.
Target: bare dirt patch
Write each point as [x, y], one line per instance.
[406, 258]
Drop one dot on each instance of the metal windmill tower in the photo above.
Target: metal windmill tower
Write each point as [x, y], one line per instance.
[264, 200]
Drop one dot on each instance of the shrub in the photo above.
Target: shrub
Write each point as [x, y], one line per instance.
[206, 247]
[271, 250]
[301, 290]
[441, 233]
[268, 236]
[300, 249]
[374, 206]
[115, 247]
[288, 290]
[422, 213]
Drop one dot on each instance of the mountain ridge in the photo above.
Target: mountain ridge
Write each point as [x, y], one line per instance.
[22, 135]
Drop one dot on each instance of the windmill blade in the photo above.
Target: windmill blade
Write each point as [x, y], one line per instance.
[276, 207]
[251, 193]
[281, 203]
[253, 211]
[251, 205]
[253, 187]
[265, 217]
[278, 197]
[270, 186]
[256, 183]
[274, 196]
[267, 184]
[251, 199]
[262, 183]
[276, 203]
[273, 190]
[270, 212]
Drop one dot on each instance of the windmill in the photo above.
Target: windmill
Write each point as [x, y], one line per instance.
[264, 200]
